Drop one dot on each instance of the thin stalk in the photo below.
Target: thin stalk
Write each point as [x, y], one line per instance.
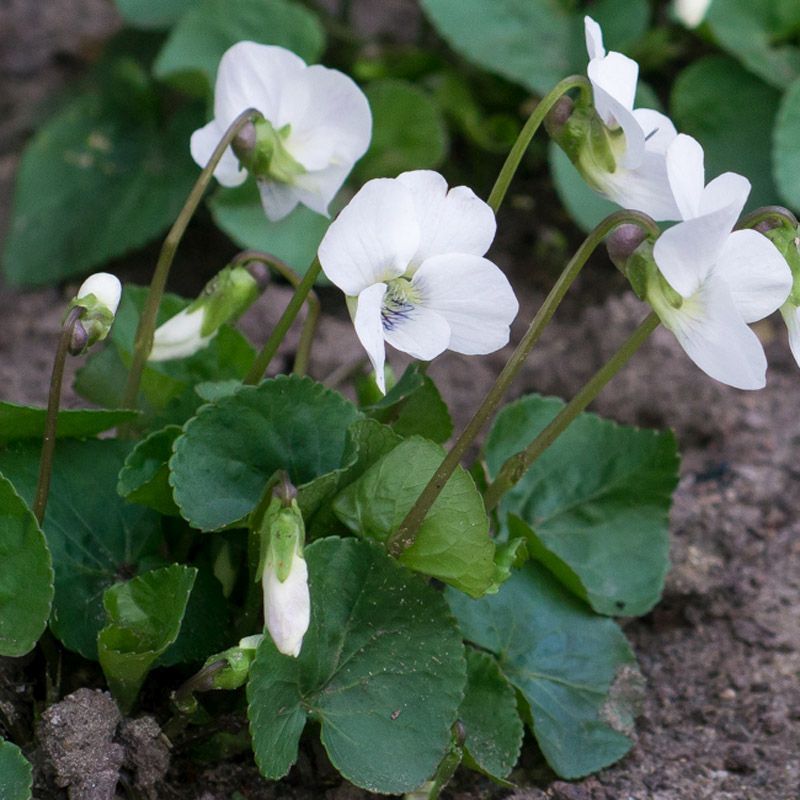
[51, 421]
[147, 322]
[272, 344]
[405, 535]
[765, 213]
[536, 118]
[303, 356]
[517, 465]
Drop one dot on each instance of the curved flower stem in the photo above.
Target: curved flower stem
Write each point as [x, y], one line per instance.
[517, 465]
[147, 322]
[526, 134]
[405, 535]
[312, 301]
[51, 421]
[272, 344]
[767, 213]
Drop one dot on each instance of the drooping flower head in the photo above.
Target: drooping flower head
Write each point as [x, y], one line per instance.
[619, 150]
[316, 124]
[408, 254]
[711, 280]
[99, 296]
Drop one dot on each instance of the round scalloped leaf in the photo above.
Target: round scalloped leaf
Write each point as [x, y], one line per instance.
[26, 578]
[596, 503]
[27, 422]
[144, 478]
[94, 536]
[574, 669]
[381, 669]
[231, 448]
[16, 775]
[488, 712]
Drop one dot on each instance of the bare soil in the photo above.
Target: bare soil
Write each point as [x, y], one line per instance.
[721, 652]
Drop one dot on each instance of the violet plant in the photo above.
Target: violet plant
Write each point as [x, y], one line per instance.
[333, 557]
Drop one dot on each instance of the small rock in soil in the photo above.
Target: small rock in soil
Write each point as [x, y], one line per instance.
[77, 742]
[147, 754]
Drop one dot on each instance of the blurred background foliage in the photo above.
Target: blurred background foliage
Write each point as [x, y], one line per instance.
[107, 173]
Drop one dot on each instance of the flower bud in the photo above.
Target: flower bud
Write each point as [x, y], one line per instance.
[99, 295]
[236, 668]
[787, 239]
[622, 243]
[225, 298]
[283, 572]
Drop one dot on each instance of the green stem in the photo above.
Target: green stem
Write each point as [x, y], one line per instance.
[405, 535]
[765, 213]
[51, 421]
[517, 465]
[147, 322]
[527, 133]
[303, 356]
[272, 344]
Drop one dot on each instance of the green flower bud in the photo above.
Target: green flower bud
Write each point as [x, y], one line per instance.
[787, 239]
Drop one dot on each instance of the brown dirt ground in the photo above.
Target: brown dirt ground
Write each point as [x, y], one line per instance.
[721, 652]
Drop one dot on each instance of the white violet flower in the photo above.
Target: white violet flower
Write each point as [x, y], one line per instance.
[316, 124]
[408, 254]
[106, 289]
[638, 179]
[99, 297]
[691, 12]
[180, 336]
[287, 604]
[714, 280]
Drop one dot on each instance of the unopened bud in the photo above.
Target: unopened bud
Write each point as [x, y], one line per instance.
[787, 239]
[99, 296]
[622, 243]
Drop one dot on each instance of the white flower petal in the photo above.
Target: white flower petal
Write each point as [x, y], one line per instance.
[659, 130]
[277, 199]
[420, 332]
[613, 81]
[373, 239]
[756, 273]
[180, 336]
[253, 75]
[687, 252]
[449, 221]
[727, 192]
[687, 176]
[287, 606]
[105, 287]
[791, 316]
[317, 189]
[594, 38]
[202, 145]
[716, 338]
[475, 298]
[369, 328]
[644, 189]
[691, 12]
[330, 118]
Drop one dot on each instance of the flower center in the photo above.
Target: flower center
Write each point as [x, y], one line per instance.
[399, 301]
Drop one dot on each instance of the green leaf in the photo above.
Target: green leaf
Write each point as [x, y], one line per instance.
[94, 184]
[489, 714]
[732, 139]
[94, 536]
[16, 775]
[153, 13]
[230, 449]
[381, 669]
[295, 239]
[144, 478]
[597, 502]
[192, 52]
[167, 391]
[414, 406]
[408, 131]
[27, 422]
[786, 152]
[453, 542]
[144, 617]
[752, 31]
[26, 580]
[574, 669]
[535, 44]
[206, 626]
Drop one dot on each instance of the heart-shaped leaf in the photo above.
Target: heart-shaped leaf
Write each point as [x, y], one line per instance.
[16, 775]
